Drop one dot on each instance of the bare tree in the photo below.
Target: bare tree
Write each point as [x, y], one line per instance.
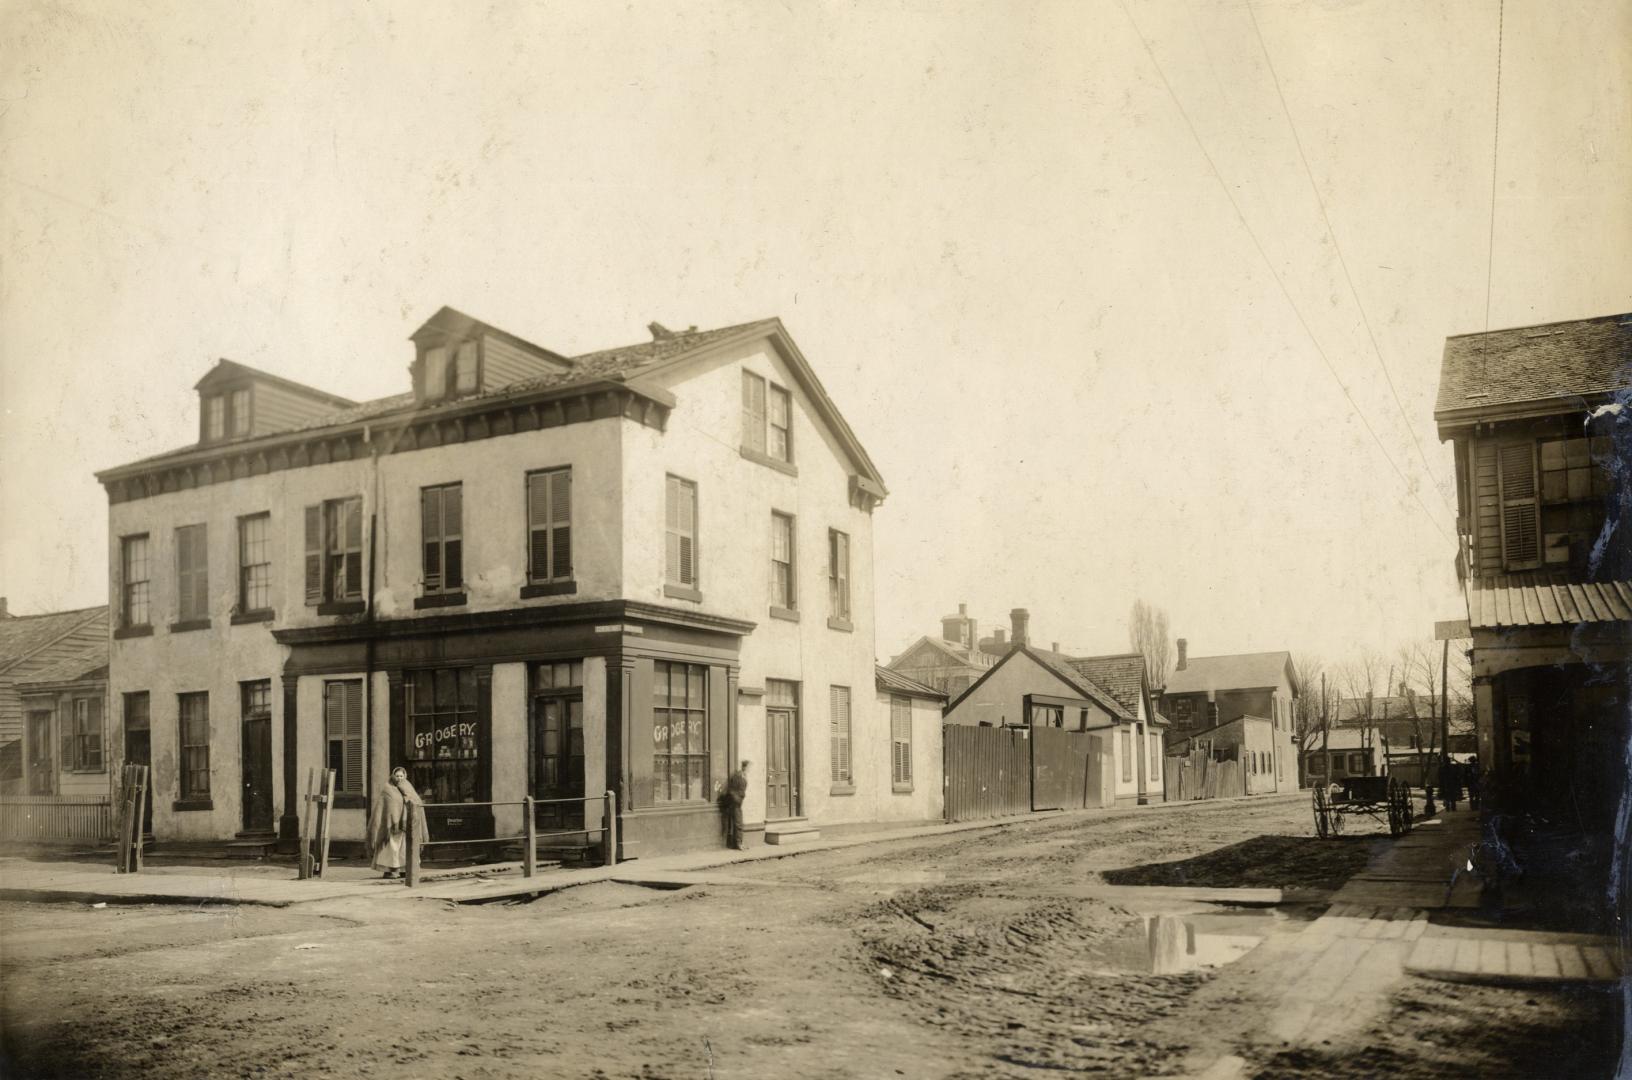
[1312, 712]
[1148, 635]
[1357, 682]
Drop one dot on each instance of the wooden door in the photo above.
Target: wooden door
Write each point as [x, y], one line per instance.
[257, 774]
[557, 767]
[41, 768]
[781, 764]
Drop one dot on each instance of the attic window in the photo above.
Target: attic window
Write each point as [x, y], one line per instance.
[228, 414]
[451, 370]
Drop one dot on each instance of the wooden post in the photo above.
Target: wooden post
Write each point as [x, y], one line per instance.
[529, 856]
[126, 786]
[143, 775]
[306, 826]
[413, 843]
[609, 832]
[324, 806]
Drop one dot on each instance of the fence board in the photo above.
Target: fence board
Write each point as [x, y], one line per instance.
[86, 818]
[987, 772]
[1059, 768]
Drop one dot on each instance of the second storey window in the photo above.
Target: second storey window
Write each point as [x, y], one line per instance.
[838, 573]
[254, 562]
[784, 593]
[1575, 482]
[334, 551]
[195, 746]
[549, 525]
[192, 573]
[133, 581]
[680, 532]
[442, 529]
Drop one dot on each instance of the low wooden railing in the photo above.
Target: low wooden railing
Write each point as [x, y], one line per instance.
[83, 818]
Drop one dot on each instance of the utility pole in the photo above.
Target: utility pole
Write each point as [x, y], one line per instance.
[1444, 699]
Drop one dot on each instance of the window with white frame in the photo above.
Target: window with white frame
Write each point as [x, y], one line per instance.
[680, 532]
[343, 726]
[254, 562]
[784, 590]
[194, 716]
[334, 550]
[86, 752]
[133, 581]
[767, 418]
[441, 527]
[838, 574]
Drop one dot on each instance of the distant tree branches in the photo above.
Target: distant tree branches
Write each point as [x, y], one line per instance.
[1148, 636]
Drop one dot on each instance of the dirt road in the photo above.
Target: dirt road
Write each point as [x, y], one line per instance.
[970, 955]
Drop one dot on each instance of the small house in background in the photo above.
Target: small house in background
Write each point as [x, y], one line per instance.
[953, 661]
[65, 717]
[1248, 740]
[1203, 692]
[29, 646]
[915, 741]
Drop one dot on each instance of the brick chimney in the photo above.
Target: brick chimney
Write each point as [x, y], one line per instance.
[1019, 623]
[1183, 645]
[4, 613]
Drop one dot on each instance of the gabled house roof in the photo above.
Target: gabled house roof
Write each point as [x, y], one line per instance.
[21, 636]
[894, 682]
[956, 653]
[1517, 370]
[1242, 671]
[451, 323]
[230, 371]
[1060, 668]
[1123, 674]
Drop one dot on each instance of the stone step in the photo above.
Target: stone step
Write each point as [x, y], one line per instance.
[792, 833]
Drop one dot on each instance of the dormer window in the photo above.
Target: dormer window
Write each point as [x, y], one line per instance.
[238, 412]
[227, 414]
[450, 370]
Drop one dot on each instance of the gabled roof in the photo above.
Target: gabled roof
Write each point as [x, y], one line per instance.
[230, 371]
[1568, 361]
[451, 323]
[1242, 671]
[958, 654]
[1123, 674]
[896, 683]
[72, 670]
[1397, 707]
[1060, 668]
[21, 636]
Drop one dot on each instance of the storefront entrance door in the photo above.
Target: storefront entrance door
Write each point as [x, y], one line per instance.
[556, 768]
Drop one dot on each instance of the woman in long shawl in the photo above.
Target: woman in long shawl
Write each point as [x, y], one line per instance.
[388, 824]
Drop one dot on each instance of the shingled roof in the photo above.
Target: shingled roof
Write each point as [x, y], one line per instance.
[23, 635]
[1581, 359]
[1122, 674]
[894, 682]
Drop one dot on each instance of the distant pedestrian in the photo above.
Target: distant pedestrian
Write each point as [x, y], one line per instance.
[1450, 782]
[1471, 777]
[388, 824]
[736, 790]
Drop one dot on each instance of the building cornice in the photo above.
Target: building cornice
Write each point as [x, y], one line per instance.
[392, 433]
[611, 612]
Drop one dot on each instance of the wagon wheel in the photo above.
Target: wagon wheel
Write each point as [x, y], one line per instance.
[1323, 812]
[1396, 816]
[1408, 808]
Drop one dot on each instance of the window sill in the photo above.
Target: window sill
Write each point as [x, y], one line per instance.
[841, 624]
[351, 802]
[132, 631]
[789, 614]
[901, 789]
[88, 772]
[189, 624]
[683, 592]
[549, 588]
[768, 461]
[842, 789]
[436, 600]
[181, 805]
[258, 615]
[340, 607]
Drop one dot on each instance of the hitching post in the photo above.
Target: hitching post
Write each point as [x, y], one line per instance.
[413, 845]
[609, 832]
[529, 856]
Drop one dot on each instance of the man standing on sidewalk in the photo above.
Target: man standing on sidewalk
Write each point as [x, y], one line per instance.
[736, 790]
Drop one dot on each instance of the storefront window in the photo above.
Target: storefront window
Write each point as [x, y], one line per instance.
[679, 732]
[441, 739]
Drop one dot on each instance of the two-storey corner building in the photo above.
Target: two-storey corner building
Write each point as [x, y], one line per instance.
[1204, 692]
[531, 574]
[1537, 417]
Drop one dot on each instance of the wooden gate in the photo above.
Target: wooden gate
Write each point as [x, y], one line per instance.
[988, 772]
[1059, 768]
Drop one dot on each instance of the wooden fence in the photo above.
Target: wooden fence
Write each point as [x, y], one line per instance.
[988, 772]
[82, 818]
[1198, 776]
[1060, 769]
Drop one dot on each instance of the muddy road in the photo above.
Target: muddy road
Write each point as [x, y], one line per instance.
[975, 954]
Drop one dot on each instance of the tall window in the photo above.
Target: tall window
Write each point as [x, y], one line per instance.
[900, 741]
[215, 417]
[767, 418]
[86, 755]
[133, 581]
[1127, 755]
[441, 741]
[1575, 482]
[680, 532]
[784, 593]
[838, 573]
[451, 370]
[441, 526]
[254, 562]
[195, 745]
[343, 726]
[334, 550]
[549, 525]
[192, 573]
[41, 773]
[238, 415]
[679, 732]
[1155, 752]
[839, 733]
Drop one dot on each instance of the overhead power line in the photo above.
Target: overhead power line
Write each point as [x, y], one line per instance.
[1354, 406]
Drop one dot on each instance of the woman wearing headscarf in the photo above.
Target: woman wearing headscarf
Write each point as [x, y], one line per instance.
[388, 824]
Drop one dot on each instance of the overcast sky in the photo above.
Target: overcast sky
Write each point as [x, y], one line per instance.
[991, 228]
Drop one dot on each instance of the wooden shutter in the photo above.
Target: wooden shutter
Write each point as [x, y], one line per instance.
[680, 531]
[549, 525]
[453, 532]
[1521, 526]
[839, 720]
[753, 411]
[314, 555]
[352, 539]
[561, 524]
[538, 527]
[353, 733]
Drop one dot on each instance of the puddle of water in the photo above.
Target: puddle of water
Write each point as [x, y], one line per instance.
[1178, 943]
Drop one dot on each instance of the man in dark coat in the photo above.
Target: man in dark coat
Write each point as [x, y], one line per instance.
[736, 790]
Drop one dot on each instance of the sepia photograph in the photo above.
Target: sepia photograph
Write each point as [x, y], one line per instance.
[1004, 539]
